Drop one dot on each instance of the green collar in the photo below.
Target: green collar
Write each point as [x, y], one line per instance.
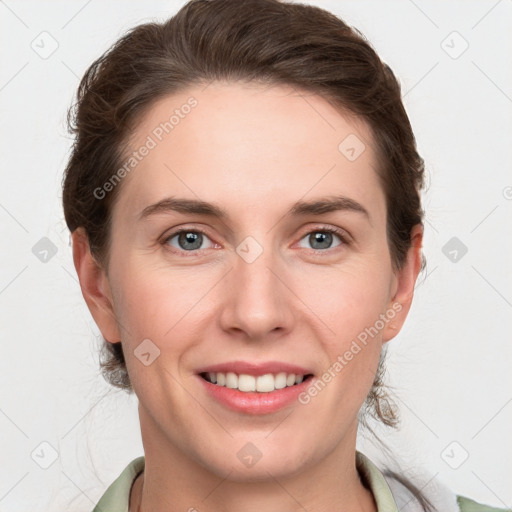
[116, 497]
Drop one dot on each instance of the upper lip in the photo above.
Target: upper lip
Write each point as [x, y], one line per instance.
[255, 369]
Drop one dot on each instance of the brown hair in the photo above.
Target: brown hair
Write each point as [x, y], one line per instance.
[268, 41]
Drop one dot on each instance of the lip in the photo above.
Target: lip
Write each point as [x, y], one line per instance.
[255, 369]
[255, 403]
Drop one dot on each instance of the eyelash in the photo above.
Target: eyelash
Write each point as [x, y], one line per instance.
[324, 229]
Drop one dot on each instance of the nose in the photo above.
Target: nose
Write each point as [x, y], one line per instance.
[257, 302]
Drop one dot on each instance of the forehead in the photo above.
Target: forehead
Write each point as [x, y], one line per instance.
[247, 144]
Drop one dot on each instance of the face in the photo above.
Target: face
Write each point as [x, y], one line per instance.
[284, 276]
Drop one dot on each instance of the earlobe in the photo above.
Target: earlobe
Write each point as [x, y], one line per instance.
[95, 287]
[405, 281]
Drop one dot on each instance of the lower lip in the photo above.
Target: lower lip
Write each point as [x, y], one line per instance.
[254, 402]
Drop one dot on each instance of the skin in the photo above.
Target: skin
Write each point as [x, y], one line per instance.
[254, 150]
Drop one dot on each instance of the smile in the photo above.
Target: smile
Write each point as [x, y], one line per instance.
[266, 383]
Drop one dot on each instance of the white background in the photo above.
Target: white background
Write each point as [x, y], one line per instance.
[450, 366]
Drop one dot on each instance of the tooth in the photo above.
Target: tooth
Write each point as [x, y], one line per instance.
[280, 380]
[290, 380]
[231, 380]
[265, 383]
[246, 383]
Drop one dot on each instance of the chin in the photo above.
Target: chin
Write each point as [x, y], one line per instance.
[259, 460]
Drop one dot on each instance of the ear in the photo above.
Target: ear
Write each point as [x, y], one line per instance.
[95, 287]
[403, 286]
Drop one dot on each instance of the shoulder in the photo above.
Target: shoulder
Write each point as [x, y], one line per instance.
[469, 505]
[409, 492]
[117, 497]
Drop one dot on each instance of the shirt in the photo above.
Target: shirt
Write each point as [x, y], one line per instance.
[389, 494]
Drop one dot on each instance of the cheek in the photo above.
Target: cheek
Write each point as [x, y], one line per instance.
[347, 300]
[160, 304]
[352, 304]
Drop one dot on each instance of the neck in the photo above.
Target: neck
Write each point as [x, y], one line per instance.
[172, 481]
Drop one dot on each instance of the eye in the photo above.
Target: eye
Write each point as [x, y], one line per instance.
[322, 238]
[188, 240]
[191, 240]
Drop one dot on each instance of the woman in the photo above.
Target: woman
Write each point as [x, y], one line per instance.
[244, 201]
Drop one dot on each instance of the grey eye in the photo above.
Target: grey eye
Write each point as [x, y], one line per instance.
[188, 240]
[320, 240]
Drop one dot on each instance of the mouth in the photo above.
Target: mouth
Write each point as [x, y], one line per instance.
[254, 388]
[246, 383]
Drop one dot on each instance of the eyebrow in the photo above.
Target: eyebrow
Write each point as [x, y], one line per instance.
[194, 206]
